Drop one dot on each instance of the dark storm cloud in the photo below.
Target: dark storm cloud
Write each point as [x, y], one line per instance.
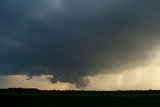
[71, 39]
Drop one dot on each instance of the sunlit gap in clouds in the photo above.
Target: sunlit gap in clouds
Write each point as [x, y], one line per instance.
[40, 82]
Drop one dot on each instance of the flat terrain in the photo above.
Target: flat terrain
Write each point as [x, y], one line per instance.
[36, 98]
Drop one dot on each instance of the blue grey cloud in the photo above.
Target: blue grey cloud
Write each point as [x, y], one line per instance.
[72, 39]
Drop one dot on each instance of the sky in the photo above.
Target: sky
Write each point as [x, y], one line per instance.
[80, 44]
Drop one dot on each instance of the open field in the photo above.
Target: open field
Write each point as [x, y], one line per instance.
[36, 98]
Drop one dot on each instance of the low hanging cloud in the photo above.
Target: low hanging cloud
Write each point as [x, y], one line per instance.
[72, 39]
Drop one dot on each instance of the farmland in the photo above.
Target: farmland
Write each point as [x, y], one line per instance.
[37, 98]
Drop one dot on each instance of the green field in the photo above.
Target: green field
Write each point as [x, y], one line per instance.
[36, 98]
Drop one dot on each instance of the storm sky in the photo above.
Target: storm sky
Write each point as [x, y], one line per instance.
[71, 40]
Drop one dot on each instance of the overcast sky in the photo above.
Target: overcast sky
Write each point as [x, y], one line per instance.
[72, 40]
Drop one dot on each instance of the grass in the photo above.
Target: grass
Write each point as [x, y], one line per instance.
[37, 98]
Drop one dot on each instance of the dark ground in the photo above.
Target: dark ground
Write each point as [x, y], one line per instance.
[36, 98]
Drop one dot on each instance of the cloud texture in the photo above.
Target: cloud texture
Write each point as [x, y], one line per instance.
[72, 39]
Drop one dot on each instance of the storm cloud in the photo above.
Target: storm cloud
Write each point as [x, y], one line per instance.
[73, 39]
